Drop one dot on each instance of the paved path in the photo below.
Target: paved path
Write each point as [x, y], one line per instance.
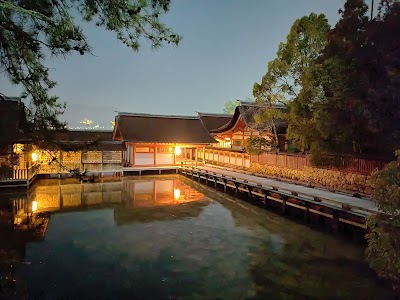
[309, 192]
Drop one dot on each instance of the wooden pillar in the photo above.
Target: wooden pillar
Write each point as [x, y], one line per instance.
[101, 167]
[155, 155]
[174, 155]
[60, 162]
[195, 155]
[81, 160]
[133, 155]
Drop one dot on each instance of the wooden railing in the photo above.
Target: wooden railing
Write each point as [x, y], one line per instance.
[227, 158]
[18, 174]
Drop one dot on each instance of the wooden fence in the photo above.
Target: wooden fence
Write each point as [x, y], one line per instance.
[335, 162]
[297, 162]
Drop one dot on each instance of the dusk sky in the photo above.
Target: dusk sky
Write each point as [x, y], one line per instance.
[225, 48]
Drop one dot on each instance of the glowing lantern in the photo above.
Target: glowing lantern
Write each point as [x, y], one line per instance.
[178, 150]
[34, 156]
[177, 194]
[34, 206]
[170, 149]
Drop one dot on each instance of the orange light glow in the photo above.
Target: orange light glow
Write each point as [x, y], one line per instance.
[177, 194]
[178, 150]
[34, 206]
[34, 156]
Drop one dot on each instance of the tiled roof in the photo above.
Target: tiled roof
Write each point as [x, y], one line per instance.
[214, 121]
[250, 112]
[93, 140]
[145, 128]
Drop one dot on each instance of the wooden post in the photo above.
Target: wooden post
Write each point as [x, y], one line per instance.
[306, 213]
[102, 161]
[60, 162]
[155, 155]
[133, 155]
[174, 155]
[283, 206]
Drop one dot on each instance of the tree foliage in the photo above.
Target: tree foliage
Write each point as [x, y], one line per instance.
[350, 94]
[284, 79]
[31, 31]
[383, 252]
[230, 107]
[257, 144]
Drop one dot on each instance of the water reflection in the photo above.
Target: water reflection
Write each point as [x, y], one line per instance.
[161, 197]
[168, 239]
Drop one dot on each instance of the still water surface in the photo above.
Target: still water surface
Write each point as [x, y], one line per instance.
[169, 238]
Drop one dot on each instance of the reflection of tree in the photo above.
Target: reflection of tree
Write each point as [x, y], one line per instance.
[301, 271]
[287, 260]
[12, 254]
[292, 262]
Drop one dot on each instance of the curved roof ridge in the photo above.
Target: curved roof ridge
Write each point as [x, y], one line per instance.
[206, 114]
[128, 114]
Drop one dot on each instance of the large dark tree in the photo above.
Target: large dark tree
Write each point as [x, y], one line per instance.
[283, 81]
[32, 30]
[359, 76]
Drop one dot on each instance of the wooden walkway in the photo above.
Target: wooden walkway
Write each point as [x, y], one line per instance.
[332, 198]
[337, 209]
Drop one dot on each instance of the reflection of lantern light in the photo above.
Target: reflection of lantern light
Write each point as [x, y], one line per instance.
[34, 156]
[178, 150]
[177, 194]
[34, 206]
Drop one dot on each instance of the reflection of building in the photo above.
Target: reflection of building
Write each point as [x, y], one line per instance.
[159, 200]
[153, 140]
[151, 193]
[58, 197]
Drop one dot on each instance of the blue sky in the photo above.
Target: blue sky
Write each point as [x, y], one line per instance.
[225, 48]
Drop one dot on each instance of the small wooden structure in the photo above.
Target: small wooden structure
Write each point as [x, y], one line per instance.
[158, 140]
[96, 153]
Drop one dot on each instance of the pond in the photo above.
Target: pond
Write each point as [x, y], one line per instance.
[167, 237]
